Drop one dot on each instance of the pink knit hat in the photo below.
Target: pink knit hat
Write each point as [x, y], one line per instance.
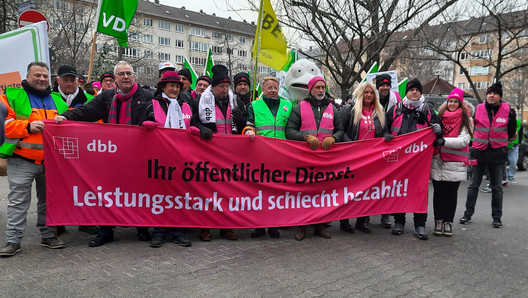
[458, 94]
[97, 85]
[314, 80]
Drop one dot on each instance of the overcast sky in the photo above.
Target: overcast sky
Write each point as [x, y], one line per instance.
[236, 9]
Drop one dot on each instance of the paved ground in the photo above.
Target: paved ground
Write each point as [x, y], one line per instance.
[477, 261]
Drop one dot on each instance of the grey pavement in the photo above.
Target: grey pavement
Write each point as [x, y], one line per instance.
[477, 261]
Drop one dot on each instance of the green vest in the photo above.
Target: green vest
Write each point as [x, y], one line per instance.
[19, 101]
[88, 97]
[267, 125]
[515, 140]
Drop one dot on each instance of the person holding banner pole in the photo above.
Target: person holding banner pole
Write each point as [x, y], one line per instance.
[268, 117]
[23, 148]
[409, 115]
[125, 104]
[449, 162]
[315, 121]
[215, 111]
[362, 119]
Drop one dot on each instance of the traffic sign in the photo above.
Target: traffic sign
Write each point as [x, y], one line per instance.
[29, 17]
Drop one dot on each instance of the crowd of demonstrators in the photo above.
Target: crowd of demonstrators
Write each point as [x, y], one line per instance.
[23, 148]
[448, 167]
[495, 124]
[409, 115]
[373, 111]
[306, 123]
[268, 117]
[363, 119]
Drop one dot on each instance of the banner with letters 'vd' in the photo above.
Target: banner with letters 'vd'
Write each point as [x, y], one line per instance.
[125, 175]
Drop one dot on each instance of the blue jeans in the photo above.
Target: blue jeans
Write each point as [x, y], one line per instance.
[513, 156]
[20, 175]
[495, 172]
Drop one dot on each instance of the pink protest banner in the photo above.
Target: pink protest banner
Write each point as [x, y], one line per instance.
[124, 175]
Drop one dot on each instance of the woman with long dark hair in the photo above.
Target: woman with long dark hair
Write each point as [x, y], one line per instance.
[448, 167]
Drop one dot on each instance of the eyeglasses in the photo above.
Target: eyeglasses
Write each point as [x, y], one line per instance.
[122, 74]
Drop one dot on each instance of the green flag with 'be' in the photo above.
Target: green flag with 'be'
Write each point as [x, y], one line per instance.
[115, 17]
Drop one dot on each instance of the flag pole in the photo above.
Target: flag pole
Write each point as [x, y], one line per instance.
[91, 58]
[259, 31]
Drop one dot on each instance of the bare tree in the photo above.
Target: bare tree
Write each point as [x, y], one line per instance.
[9, 15]
[493, 44]
[352, 35]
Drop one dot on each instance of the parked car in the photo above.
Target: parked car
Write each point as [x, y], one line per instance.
[522, 163]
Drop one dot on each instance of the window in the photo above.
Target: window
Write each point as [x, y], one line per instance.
[242, 53]
[147, 38]
[197, 31]
[229, 51]
[478, 70]
[263, 70]
[178, 59]
[464, 56]
[243, 67]
[131, 52]
[199, 46]
[216, 50]
[198, 61]
[179, 43]
[505, 36]
[216, 35]
[481, 85]
[164, 41]
[242, 39]
[147, 22]
[482, 54]
[164, 25]
[462, 86]
[148, 70]
[460, 70]
[148, 54]
[485, 38]
[133, 36]
[229, 37]
[61, 5]
[163, 56]
[179, 28]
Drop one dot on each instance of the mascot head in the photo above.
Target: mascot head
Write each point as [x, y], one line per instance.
[297, 78]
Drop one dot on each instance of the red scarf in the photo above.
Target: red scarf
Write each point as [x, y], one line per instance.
[451, 122]
[125, 111]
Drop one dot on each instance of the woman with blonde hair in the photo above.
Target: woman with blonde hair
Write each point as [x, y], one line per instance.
[363, 119]
[448, 166]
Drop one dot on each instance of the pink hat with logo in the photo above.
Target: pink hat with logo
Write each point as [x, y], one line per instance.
[314, 80]
[458, 94]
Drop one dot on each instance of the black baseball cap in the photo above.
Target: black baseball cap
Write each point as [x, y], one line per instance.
[67, 70]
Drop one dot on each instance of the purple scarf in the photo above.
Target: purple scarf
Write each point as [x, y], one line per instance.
[125, 111]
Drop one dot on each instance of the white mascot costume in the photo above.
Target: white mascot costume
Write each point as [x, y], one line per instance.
[295, 86]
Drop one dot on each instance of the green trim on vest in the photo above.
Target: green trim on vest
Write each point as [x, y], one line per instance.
[19, 101]
[267, 125]
[88, 97]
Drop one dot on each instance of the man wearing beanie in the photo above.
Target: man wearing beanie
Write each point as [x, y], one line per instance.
[307, 117]
[409, 115]
[388, 99]
[201, 84]
[242, 87]
[215, 111]
[107, 81]
[495, 124]
[186, 78]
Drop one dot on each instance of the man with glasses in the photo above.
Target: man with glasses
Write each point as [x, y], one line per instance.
[107, 81]
[126, 104]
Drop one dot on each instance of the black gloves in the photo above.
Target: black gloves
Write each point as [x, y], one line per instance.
[439, 142]
[388, 137]
[207, 133]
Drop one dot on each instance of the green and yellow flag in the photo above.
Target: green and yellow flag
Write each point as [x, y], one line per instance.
[114, 17]
[270, 43]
